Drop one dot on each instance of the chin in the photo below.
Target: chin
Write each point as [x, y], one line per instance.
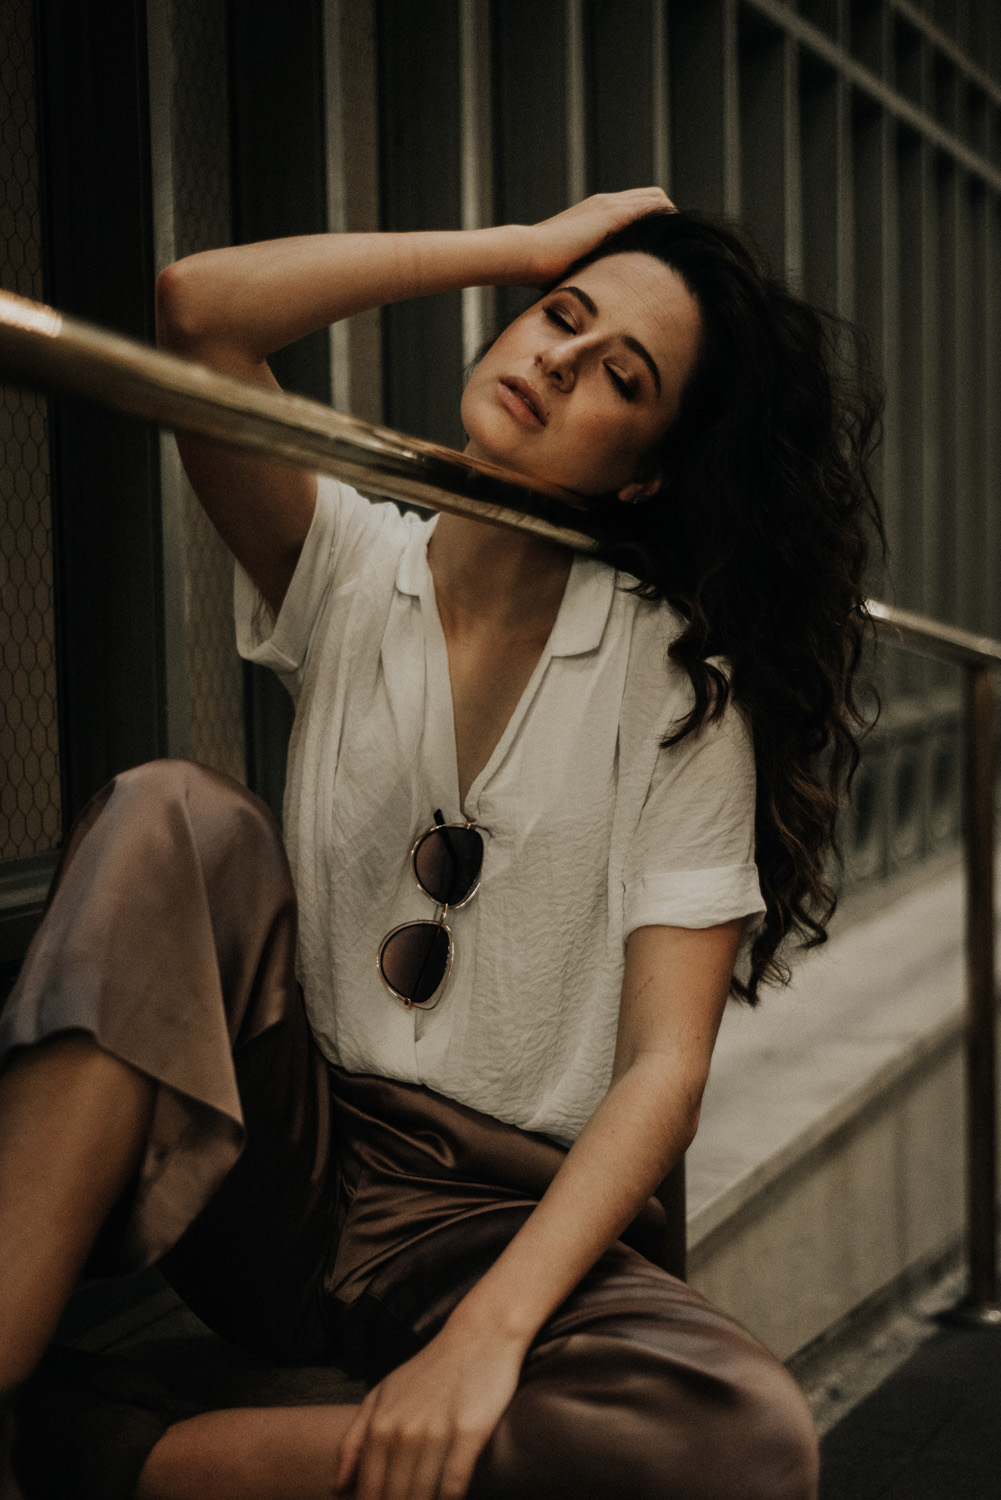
[485, 444]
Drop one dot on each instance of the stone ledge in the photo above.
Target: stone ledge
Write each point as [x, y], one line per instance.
[829, 1159]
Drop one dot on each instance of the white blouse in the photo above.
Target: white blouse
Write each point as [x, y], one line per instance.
[590, 828]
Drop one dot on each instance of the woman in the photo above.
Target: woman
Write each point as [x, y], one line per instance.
[469, 1269]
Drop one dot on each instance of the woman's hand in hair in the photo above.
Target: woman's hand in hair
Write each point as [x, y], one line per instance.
[560, 241]
[419, 1432]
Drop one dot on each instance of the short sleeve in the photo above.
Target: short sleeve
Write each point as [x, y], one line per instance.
[343, 527]
[691, 861]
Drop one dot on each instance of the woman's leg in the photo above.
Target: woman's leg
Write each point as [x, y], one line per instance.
[74, 1127]
[639, 1389]
[273, 1453]
[156, 1036]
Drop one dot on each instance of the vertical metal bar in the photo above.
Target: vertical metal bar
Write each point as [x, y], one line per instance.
[844, 202]
[159, 44]
[672, 1195]
[760, 99]
[660, 124]
[981, 1303]
[576, 94]
[966, 389]
[926, 235]
[350, 122]
[334, 159]
[792, 180]
[476, 184]
[705, 111]
[732, 184]
[977, 307]
[991, 335]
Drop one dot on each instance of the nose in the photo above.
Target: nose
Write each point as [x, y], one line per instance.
[558, 363]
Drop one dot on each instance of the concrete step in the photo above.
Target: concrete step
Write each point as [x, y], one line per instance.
[828, 1167]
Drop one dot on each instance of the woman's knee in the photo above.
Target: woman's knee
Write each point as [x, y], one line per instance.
[186, 782]
[157, 811]
[774, 1453]
[173, 883]
[616, 1422]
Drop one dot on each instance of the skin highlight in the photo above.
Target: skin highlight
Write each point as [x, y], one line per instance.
[581, 388]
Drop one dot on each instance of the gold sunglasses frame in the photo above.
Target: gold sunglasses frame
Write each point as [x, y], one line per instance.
[441, 911]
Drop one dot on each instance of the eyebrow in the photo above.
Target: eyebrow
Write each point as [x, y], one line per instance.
[627, 338]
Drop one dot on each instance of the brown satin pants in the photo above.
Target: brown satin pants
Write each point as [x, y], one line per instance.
[316, 1216]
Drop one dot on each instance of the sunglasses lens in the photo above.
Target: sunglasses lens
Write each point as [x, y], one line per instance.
[414, 960]
[447, 863]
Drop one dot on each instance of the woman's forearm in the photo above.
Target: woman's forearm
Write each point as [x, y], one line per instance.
[642, 1127]
[243, 303]
[256, 299]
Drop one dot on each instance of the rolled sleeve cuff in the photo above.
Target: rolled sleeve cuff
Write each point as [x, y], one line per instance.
[693, 898]
[281, 643]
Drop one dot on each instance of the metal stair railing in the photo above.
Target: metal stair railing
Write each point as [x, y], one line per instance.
[979, 658]
[44, 349]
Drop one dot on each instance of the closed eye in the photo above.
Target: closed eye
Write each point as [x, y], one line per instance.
[555, 316]
[626, 388]
[624, 385]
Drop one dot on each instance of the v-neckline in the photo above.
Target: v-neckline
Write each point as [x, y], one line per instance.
[440, 691]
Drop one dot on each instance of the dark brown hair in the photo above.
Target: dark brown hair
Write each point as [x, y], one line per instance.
[760, 539]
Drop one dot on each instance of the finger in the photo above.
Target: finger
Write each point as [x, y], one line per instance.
[459, 1465]
[640, 201]
[402, 1458]
[373, 1463]
[426, 1475]
[664, 198]
[351, 1447]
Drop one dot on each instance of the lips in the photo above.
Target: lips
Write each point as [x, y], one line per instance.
[522, 400]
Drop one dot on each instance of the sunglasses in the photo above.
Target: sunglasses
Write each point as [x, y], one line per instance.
[415, 959]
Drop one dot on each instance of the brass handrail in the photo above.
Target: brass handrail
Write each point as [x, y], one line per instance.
[927, 637]
[43, 348]
[979, 657]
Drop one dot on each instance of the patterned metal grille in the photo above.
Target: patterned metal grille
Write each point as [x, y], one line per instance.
[29, 747]
[202, 220]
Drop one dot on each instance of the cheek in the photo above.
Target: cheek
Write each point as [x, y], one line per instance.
[466, 399]
[473, 393]
[607, 453]
[612, 444]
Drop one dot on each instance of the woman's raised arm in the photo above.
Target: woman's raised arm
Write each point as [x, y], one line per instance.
[231, 308]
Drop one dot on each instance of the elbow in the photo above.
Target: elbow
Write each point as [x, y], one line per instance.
[674, 1096]
[690, 1124]
[682, 1112]
[182, 324]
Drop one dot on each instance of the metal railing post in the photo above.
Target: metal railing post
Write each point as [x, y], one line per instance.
[673, 1199]
[980, 1304]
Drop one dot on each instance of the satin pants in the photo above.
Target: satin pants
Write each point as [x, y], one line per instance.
[315, 1216]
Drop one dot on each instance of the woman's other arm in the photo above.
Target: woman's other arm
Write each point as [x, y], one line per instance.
[435, 1414]
[232, 308]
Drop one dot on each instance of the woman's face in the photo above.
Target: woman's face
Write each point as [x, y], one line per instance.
[580, 389]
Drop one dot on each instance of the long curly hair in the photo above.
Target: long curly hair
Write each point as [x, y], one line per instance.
[760, 539]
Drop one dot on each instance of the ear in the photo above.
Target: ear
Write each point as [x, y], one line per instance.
[643, 489]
